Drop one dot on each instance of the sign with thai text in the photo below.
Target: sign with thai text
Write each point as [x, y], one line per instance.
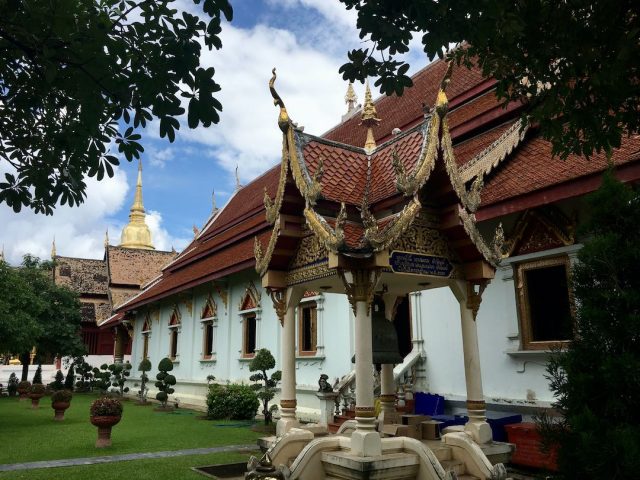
[420, 264]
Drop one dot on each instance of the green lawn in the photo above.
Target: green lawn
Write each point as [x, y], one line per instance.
[32, 435]
[153, 469]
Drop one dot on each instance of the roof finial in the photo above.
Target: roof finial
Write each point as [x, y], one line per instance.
[106, 238]
[238, 184]
[214, 207]
[196, 230]
[53, 248]
[136, 233]
[369, 119]
[283, 117]
[351, 99]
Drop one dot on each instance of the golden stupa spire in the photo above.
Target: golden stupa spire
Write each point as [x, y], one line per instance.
[53, 248]
[369, 120]
[351, 99]
[136, 233]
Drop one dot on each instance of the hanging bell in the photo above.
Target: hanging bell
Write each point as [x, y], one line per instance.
[384, 338]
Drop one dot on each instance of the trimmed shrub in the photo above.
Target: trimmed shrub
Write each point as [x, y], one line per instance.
[106, 407]
[61, 396]
[165, 381]
[12, 387]
[70, 379]
[233, 401]
[58, 383]
[37, 377]
[144, 367]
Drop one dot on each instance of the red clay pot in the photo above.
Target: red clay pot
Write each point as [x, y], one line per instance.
[104, 425]
[35, 399]
[59, 408]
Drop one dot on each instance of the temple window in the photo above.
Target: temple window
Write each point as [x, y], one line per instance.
[307, 328]
[249, 335]
[146, 333]
[208, 323]
[544, 302]
[249, 310]
[174, 333]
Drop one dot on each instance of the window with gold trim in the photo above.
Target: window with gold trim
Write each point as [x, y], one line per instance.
[249, 335]
[208, 322]
[307, 328]
[146, 333]
[174, 333]
[545, 303]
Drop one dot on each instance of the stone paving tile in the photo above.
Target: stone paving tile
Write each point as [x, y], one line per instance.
[70, 462]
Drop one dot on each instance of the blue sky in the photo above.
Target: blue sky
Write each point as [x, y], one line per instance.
[306, 40]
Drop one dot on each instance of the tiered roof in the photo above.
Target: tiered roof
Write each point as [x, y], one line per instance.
[487, 144]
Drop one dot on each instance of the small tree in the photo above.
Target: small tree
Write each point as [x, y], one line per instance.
[58, 383]
[70, 380]
[12, 387]
[120, 372]
[595, 380]
[86, 375]
[144, 367]
[165, 382]
[102, 378]
[266, 390]
[37, 377]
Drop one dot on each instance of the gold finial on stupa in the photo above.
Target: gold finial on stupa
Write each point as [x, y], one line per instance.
[214, 207]
[351, 99]
[136, 233]
[369, 120]
[238, 184]
[53, 248]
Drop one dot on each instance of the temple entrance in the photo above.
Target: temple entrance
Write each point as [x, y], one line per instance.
[402, 324]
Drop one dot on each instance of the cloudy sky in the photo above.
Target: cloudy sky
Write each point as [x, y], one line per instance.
[306, 40]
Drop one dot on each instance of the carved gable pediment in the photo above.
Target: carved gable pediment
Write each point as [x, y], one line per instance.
[250, 299]
[210, 308]
[538, 230]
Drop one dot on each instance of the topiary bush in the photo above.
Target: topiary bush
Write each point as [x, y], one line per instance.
[119, 374]
[12, 386]
[58, 383]
[265, 385]
[102, 378]
[70, 379]
[165, 381]
[233, 401]
[37, 377]
[144, 367]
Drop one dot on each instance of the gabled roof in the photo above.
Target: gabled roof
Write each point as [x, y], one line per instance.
[484, 143]
[82, 275]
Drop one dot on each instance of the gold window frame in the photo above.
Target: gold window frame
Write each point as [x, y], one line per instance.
[313, 306]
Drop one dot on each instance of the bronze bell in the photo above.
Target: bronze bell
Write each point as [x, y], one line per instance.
[384, 338]
[265, 470]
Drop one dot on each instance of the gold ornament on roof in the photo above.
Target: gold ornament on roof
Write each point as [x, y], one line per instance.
[369, 119]
[351, 99]
[136, 233]
[283, 117]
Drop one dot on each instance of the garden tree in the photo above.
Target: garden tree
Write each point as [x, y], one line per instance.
[37, 377]
[58, 383]
[576, 64]
[595, 380]
[120, 372]
[70, 379]
[261, 362]
[35, 312]
[144, 367]
[165, 382]
[102, 378]
[82, 78]
[85, 370]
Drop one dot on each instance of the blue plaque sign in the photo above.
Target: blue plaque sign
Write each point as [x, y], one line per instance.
[419, 264]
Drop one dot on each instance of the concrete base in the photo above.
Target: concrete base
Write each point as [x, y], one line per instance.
[479, 431]
[286, 424]
[366, 443]
[391, 466]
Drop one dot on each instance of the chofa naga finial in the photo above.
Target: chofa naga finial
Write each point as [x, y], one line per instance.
[283, 118]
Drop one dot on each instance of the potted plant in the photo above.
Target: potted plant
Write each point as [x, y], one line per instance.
[23, 389]
[60, 401]
[105, 413]
[12, 386]
[35, 394]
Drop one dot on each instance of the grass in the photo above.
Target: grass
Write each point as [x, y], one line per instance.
[33, 435]
[153, 469]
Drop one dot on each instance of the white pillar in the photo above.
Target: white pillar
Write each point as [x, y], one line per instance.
[469, 301]
[387, 395]
[288, 299]
[365, 441]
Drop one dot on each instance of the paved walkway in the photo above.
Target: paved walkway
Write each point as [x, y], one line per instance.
[70, 462]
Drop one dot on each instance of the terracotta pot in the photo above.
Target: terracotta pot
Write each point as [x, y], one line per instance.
[24, 393]
[59, 408]
[104, 424]
[35, 399]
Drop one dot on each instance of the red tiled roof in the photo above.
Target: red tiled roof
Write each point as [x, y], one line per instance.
[532, 167]
[226, 244]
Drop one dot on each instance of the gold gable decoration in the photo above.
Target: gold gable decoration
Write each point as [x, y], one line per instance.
[250, 299]
[176, 317]
[210, 309]
[540, 229]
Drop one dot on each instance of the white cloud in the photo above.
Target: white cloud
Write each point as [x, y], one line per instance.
[158, 157]
[161, 238]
